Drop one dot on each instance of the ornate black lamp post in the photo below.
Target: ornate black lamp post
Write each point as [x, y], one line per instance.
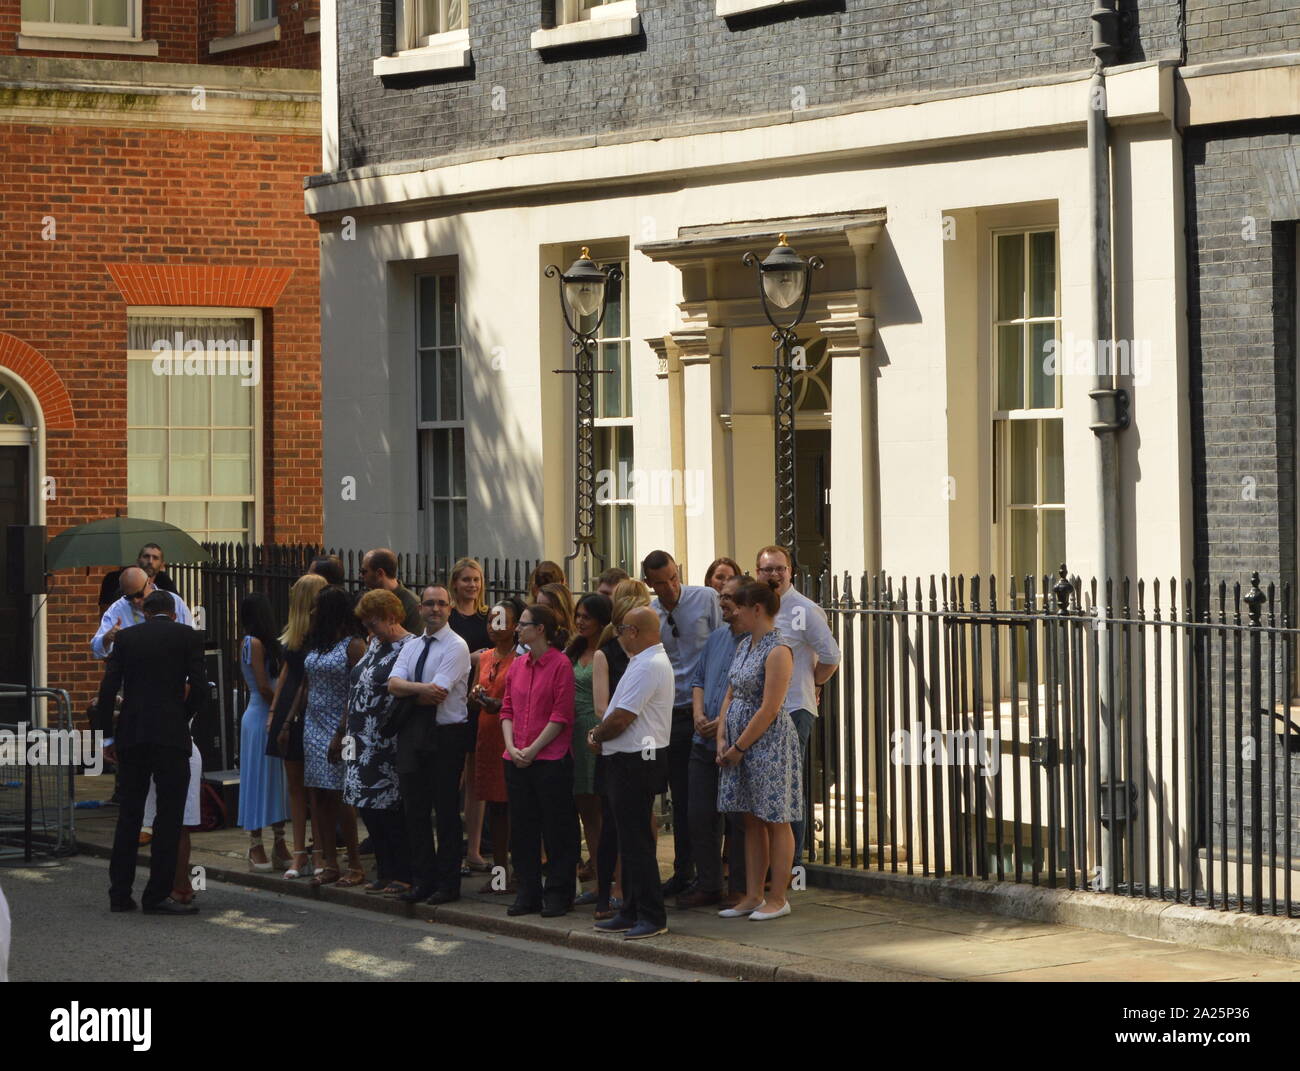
[583, 290]
[784, 282]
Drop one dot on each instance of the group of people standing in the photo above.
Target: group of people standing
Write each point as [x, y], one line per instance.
[536, 726]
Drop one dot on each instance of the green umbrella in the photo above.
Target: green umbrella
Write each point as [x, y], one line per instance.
[117, 540]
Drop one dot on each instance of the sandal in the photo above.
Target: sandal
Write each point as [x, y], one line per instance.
[376, 886]
[396, 888]
[355, 876]
[304, 870]
[328, 876]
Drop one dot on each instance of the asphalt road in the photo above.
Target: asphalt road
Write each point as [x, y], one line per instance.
[64, 932]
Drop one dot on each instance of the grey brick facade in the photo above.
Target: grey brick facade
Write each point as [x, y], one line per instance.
[688, 65]
[1241, 301]
[1223, 29]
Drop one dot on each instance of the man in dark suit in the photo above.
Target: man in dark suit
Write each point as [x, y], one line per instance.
[158, 665]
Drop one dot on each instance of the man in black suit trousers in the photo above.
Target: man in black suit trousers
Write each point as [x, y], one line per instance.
[158, 665]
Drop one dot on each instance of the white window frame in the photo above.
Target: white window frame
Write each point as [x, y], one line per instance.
[425, 441]
[186, 312]
[571, 11]
[85, 31]
[408, 28]
[244, 22]
[573, 26]
[1002, 419]
[427, 52]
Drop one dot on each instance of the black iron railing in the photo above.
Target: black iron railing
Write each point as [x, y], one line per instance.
[1137, 740]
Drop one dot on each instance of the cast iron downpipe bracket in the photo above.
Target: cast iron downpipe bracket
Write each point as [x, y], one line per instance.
[1112, 402]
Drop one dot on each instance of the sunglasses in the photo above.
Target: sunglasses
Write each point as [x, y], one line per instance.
[673, 625]
[135, 597]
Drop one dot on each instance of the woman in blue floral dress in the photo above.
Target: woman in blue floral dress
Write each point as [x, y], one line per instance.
[370, 760]
[758, 750]
[334, 646]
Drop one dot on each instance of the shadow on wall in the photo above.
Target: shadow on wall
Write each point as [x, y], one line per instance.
[502, 467]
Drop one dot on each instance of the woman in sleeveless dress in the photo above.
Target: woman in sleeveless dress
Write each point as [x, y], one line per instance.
[758, 750]
[333, 648]
[488, 672]
[262, 800]
[589, 620]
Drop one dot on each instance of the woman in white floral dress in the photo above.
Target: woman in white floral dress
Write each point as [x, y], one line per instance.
[758, 750]
[370, 772]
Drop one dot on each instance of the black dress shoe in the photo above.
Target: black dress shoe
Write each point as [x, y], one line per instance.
[171, 907]
[555, 910]
[417, 895]
[675, 886]
[443, 896]
[123, 905]
[521, 908]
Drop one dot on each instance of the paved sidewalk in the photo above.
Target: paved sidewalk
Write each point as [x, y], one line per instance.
[828, 936]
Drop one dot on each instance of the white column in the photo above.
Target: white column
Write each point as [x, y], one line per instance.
[698, 352]
[329, 85]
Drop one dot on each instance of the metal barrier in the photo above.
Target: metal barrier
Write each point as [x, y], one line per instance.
[36, 800]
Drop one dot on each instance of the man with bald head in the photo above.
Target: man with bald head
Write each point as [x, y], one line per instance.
[136, 585]
[634, 737]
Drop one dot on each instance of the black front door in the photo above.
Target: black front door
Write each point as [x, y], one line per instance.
[15, 609]
[812, 509]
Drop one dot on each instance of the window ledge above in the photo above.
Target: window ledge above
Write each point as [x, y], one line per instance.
[607, 23]
[727, 8]
[96, 45]
[311, 25]
[444, 52]
[264, 36]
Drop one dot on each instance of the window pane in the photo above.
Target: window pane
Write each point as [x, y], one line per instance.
[1042, 274]
[613, 326]
[232, 463]
[429, 386]
[1053, 538]
[263, 9]
[188, 517]
[624, 549]
[441, 485]
[458, 462]
[441, 527]
[146, 511]
[456, 15]
[77, 11]
[1041, 385]
[1011, 386]
[232, 402]
[189, 400]
[110, 13]
[187, 463]
[1011, 277]
[1053, 462]
[146, 394]
[230, 517]
[428, 311]
[36, 10]
[449, 384]
[146, 452]
[459, 535]
[1024, 545]
[1023, 463]
[610, 388]
[447, 310]
[623, 445]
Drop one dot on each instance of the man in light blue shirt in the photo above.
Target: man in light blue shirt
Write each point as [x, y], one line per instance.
[816, 656]
[709, 689]
[687, 615]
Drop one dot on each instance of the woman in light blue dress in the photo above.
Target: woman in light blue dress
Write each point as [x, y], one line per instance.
[334, 645]
[262, 798]
[758, 750]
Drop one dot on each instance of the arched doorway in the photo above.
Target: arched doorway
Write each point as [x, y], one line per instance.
[20, 503]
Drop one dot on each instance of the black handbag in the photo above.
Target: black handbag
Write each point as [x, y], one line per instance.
[400, 708]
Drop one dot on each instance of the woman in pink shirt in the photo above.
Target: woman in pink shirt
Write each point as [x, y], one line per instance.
[537, 723]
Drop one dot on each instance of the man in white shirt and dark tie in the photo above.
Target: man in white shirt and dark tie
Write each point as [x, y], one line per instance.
[431, 746]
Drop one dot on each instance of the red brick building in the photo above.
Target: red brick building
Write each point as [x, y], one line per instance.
[152, 154]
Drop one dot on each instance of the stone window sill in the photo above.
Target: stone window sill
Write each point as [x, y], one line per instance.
[727, 8]
[311, 25]
[444, 52]
[97, 45]
[607, 23]
[248, 38]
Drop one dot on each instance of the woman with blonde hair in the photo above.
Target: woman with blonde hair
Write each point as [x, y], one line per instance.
[285, 723]
[469, 620]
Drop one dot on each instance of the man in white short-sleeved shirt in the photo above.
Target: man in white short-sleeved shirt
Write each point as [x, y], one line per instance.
[633, 737]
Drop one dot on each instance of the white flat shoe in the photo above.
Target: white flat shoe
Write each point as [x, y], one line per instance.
[734, 913]
[763, 916]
